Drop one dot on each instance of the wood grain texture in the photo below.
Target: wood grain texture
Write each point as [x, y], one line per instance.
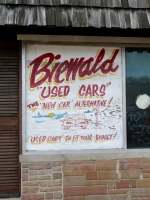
[9, 134]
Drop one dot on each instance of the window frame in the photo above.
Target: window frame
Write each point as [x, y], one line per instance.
[122, 42]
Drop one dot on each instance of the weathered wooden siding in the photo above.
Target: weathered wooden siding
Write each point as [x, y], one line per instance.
[134, 14]
[9, 134]
[85, 3]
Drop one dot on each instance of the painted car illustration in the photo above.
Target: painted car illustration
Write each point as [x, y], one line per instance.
[75, 120]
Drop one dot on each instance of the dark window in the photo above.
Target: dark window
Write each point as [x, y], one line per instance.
[137, 97]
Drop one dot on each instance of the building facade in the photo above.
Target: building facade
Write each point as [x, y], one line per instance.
[74, 100]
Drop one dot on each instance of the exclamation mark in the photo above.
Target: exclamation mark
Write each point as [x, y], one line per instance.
[110, 101]
[114, 136]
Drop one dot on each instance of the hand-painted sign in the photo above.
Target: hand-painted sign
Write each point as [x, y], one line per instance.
[73, 97]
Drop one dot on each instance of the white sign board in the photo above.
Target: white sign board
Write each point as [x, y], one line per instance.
[73, 97]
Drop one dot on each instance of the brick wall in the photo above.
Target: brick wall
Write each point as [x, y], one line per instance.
[41, 181]
[122, 179]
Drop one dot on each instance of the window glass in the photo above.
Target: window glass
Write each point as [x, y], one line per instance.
[138, 97]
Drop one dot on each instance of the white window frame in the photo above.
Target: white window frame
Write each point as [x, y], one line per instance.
[78, 41]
